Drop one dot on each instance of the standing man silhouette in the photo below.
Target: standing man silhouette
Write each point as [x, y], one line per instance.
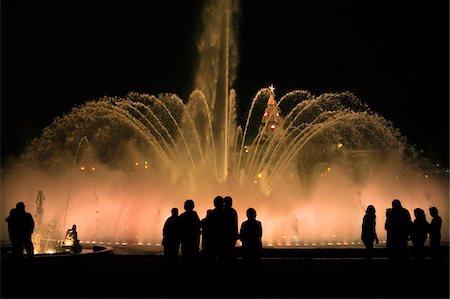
[189, 234]
[435, 232]
[398, 226]
[21, 227]
[250, 235]
[171, 238]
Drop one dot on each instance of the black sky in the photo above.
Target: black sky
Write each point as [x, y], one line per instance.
[393, 55]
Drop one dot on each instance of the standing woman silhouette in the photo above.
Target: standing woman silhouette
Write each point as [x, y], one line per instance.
[369, 233]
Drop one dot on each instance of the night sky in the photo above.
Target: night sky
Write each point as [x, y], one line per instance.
[393, 55]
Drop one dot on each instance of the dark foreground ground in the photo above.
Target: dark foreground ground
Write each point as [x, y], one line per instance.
[301, 273]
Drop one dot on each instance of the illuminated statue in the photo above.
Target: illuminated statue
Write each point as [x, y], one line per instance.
[71, 241]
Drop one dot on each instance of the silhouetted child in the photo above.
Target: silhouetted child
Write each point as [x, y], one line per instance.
[171, 238]
[435, 232]
[419, 233]
[368, 232]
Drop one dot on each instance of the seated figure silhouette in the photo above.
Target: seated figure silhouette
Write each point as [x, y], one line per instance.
[71, 241]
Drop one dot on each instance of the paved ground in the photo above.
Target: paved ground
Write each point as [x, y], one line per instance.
[316, 273]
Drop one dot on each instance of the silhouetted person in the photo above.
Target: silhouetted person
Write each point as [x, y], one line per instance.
[250, 235]
[398, 226]
[20, 228]
[217, 228]
[171, 238]
[189, 234]
[207, 238]
[419, 233]
[435, 232]
[11, 232]
[368, 232]
[230, 228]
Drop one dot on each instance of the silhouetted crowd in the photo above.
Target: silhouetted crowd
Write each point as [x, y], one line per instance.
[218, 232]
[400, 229]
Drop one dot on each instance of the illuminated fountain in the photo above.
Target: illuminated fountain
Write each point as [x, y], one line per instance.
[308, 164]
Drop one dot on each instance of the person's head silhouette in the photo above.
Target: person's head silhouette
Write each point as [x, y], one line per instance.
[251, 214]
[174, 212]
[433, 211]
[227, 202]
[396, 204]
[370, 210]
[20, 206]
[218, 202]
[419, 213]
[189, 205]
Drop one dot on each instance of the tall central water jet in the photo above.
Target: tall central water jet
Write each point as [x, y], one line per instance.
[218, 58]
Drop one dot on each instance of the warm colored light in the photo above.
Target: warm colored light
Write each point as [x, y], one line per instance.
[82, 168]
[68, 242]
